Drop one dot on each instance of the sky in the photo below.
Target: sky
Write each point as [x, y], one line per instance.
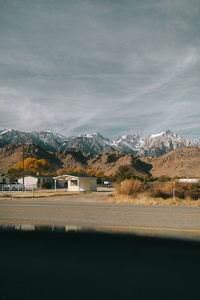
[112, 66]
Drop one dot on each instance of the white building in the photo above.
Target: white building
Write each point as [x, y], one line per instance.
[189, 180]
[78, 183]
[35, 181]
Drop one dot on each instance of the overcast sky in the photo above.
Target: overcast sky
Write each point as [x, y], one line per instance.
[112, 66]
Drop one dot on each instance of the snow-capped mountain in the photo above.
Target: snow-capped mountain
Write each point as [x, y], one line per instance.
[128, 143]
[153, 145]
[94, 143]
[46, 139]
[161, 143]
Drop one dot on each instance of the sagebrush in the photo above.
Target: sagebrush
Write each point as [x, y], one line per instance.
[165, 190]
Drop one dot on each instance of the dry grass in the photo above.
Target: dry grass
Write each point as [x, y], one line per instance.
[161, 190]
[144, 199]
[5, 195]
[36, 194]
[135, 192]
[129, 187]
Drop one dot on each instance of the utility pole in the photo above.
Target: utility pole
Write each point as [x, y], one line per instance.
[23, 166]
[174, 195]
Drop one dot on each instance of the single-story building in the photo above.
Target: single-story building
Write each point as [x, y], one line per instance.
[4, 179]
[33, 181]
[78, 183]
[189, 180]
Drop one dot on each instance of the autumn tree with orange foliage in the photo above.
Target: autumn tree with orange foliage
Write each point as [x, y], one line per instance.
[75, 172]
[83, 172]
[90, 172]
[60, 172]
[32, 166]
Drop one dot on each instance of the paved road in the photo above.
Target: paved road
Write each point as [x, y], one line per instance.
[182, 222]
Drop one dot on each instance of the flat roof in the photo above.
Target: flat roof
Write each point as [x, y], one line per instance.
[73, 176]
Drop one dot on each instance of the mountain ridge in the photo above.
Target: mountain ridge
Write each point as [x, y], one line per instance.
[179, 162]
[152, 145]
[69, 159]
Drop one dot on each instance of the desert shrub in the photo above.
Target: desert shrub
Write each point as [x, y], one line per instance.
[187, 190]
[182, 190]
[117, 188]
[163, 178]
[161, 190]
[129, 187]
[124, 172]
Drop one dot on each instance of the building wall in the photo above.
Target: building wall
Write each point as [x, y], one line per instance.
[29, 181]
[34, 182]
[80, 184]
[4, 179]
[73, 188]
[93, 185]
[83, 185]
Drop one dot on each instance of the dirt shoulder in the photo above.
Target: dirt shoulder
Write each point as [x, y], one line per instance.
[143, 200]
[102, 194]
[105, 195]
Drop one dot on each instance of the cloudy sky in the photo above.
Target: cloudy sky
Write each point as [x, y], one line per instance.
[113, 66]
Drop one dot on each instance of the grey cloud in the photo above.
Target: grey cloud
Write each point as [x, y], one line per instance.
[108, 66]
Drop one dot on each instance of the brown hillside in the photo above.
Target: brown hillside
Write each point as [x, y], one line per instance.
[180, 162]
[110, 162]
[107, 162]
[11, 154]
[73, 159]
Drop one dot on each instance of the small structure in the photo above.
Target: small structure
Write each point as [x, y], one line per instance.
[4, 179]
[189, 180]
[36, 181]
[78, 183]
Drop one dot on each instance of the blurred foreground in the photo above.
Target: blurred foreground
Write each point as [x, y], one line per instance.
[89, 265]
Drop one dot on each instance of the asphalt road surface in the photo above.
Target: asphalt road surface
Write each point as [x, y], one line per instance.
[40, 264]
[72, 212]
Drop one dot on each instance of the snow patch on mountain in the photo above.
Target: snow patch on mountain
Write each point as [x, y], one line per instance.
[94, 143]
[128, 143]
[5, 131]
[156, 135]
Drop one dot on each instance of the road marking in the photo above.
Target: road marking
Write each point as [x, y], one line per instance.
[151, 228]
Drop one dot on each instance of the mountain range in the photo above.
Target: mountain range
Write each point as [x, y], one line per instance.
[179, 162]
[69, 159]
[154, 145]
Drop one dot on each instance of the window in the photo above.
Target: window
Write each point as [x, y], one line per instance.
[74, 182]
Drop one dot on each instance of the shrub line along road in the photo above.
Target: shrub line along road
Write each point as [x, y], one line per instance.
[84, 212]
